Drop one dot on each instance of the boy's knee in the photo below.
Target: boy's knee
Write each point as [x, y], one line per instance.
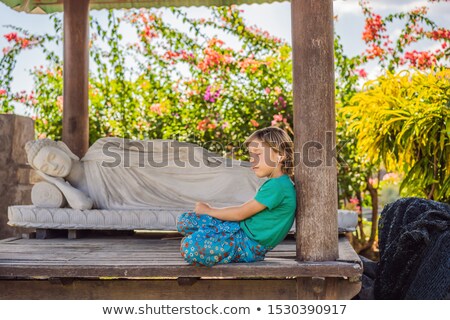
[181, 221]
[195, 255]
[189, 252]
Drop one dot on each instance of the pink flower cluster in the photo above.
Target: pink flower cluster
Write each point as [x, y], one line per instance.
[355, 202]
[421, 10]
[156, 108]
[213, 59]
[183, 55]
[148, 33]
[60, 103]
[421, 60]
[278, 118]
[249, 63]
[362, 73]
[280, 103]
[211, 96]
[257, 31]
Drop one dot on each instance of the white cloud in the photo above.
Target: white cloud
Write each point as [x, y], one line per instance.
[346, 7]
[397, 5]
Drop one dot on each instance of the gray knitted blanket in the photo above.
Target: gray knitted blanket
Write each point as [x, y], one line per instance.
[414, 243]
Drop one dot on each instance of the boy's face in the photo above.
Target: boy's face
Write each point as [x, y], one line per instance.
[262, 157]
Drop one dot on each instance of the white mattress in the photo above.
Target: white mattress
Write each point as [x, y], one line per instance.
[149, 219]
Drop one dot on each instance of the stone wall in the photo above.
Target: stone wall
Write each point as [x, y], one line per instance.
[15, 174]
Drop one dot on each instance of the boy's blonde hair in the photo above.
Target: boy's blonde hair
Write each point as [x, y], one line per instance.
[279, 141]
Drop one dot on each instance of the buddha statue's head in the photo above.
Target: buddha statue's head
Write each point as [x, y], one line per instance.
[53, 158]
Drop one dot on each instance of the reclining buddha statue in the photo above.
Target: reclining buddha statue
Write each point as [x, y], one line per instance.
[118, 173]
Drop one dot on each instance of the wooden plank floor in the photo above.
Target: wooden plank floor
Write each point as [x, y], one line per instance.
[138, 257]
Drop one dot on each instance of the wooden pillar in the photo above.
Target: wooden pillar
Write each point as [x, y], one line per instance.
[76, 70]
[314, 129]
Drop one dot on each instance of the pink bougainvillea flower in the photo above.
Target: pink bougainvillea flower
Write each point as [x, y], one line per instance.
[148, 33]
[422, 59]
[156, 108]
[2, 92]
[277, 90]
[211, 96]
[249, 63]
[215, 42]
[277, 117]
[6, 50]
[282, 102]
[362, 73]
[420, 10]
[212, 59]
[60, 103]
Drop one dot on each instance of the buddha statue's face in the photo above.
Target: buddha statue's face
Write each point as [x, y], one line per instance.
[53, 161]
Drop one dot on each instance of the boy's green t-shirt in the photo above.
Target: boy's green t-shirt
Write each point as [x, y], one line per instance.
[270, 226]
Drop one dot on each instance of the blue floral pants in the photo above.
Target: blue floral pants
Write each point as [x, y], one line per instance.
[209, 241]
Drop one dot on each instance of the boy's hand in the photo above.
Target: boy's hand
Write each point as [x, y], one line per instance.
[202, 207]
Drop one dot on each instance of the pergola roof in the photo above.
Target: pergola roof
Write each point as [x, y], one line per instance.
[50, 6]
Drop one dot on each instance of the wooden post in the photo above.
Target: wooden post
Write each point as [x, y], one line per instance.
[76, 80]
[314, 129]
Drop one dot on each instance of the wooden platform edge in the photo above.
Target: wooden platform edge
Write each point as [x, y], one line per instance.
[204, 289]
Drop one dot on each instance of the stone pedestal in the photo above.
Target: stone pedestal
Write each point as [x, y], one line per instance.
[15, 174]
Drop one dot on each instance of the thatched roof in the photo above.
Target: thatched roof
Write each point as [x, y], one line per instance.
[50, 6]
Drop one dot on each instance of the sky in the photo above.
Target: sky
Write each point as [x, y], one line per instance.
[273, 17]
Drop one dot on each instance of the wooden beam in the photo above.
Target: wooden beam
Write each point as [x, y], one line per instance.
[76, 80]
[314, 129]
[170, 289]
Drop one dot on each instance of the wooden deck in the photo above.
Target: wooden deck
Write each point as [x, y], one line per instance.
[145, 267]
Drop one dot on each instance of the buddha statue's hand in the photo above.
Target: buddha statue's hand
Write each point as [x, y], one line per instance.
[55, 180]
[76, 198]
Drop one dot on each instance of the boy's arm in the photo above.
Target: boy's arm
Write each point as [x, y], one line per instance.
[237, 213]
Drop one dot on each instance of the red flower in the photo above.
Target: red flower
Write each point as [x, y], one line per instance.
[254, 123]
[24, 43]
[375, 51]
[422, 60]
[372, 28]
[11, 36]
[202, 125]
[439, 34]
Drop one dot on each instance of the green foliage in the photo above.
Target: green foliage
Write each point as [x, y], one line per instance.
[403, 120]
